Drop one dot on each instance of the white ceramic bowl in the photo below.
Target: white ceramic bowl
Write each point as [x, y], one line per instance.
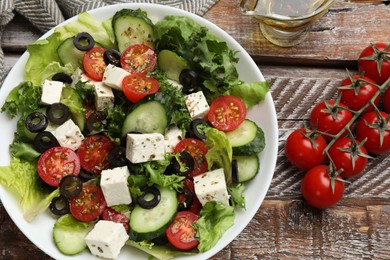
[39, 231]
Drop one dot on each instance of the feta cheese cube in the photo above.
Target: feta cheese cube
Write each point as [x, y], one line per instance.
[113, 76]
[114, 186]
[197, 104]
[211, 186]
[51, 92]
[106, 239]
[104, 97]
[145, 147]
[68, 135]
[172, 137]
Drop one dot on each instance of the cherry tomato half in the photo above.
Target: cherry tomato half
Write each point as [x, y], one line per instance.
[93, 153]
[180, 233]
[349, 157]
[89, 204]
[138, 58]
[93, 63]
[196, 206]
[57, 162]
[227, 113]
[317, 190]
[369, 59]
[302, 152]
[137, 86]
[364, 92]
[370, 126]
[326, 120]
[198, 150]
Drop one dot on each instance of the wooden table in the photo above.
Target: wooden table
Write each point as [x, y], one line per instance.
[285, 227]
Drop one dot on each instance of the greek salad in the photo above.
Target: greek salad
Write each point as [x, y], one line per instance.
[133, 131]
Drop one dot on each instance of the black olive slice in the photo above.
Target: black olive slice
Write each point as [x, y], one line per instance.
[70, 186]
[235, 171]
[45, 140]
[161, 240]
[83, 41]
[96, 121]
[194, 130]
[117, 157]
[62, 77]
[87, 175]
[147, 203]
[185, 166]
[59, 206]
[58, 113]
[185, 198]
[112, 56]
[190, 81]
[36, 122]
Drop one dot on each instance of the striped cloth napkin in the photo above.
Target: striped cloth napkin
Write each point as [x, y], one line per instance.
[45, 14]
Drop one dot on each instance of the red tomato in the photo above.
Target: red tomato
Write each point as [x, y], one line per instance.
[93, 153]
[137, 86]
[352, 158]
[115, 216]
[370, 126]
[227, 113]
[369, 59]
[138, 58]
[329, 119]
[180, 233]
[89, 204]
[317, 190]
[356, 94]
[57, 162]
[198, 150]
[386, 100]
[195, 207]
[304, 151]
[93, 63]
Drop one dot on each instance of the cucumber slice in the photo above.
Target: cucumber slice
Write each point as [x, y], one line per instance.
[247, 139]
[68, 53]
[248, 167]
[149, 117]
[72, 99]
[69, 234]
[132, 27]
[147, 224]
[171, 63]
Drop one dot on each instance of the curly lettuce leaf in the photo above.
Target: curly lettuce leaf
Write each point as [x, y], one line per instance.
[22, 179]
[24, 98]
[237, 196]
[24, 151]
[210, 57]
[220, 152]
[156, 171]
[215, 219]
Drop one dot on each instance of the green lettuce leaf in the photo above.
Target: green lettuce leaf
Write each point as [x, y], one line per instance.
[159, 252]
[22, 179]
[156, 171]
[215, 219]
[220, 152]
[24, 151]
[237, 197]
[251, 93]
[43, 52]
[24, 98]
